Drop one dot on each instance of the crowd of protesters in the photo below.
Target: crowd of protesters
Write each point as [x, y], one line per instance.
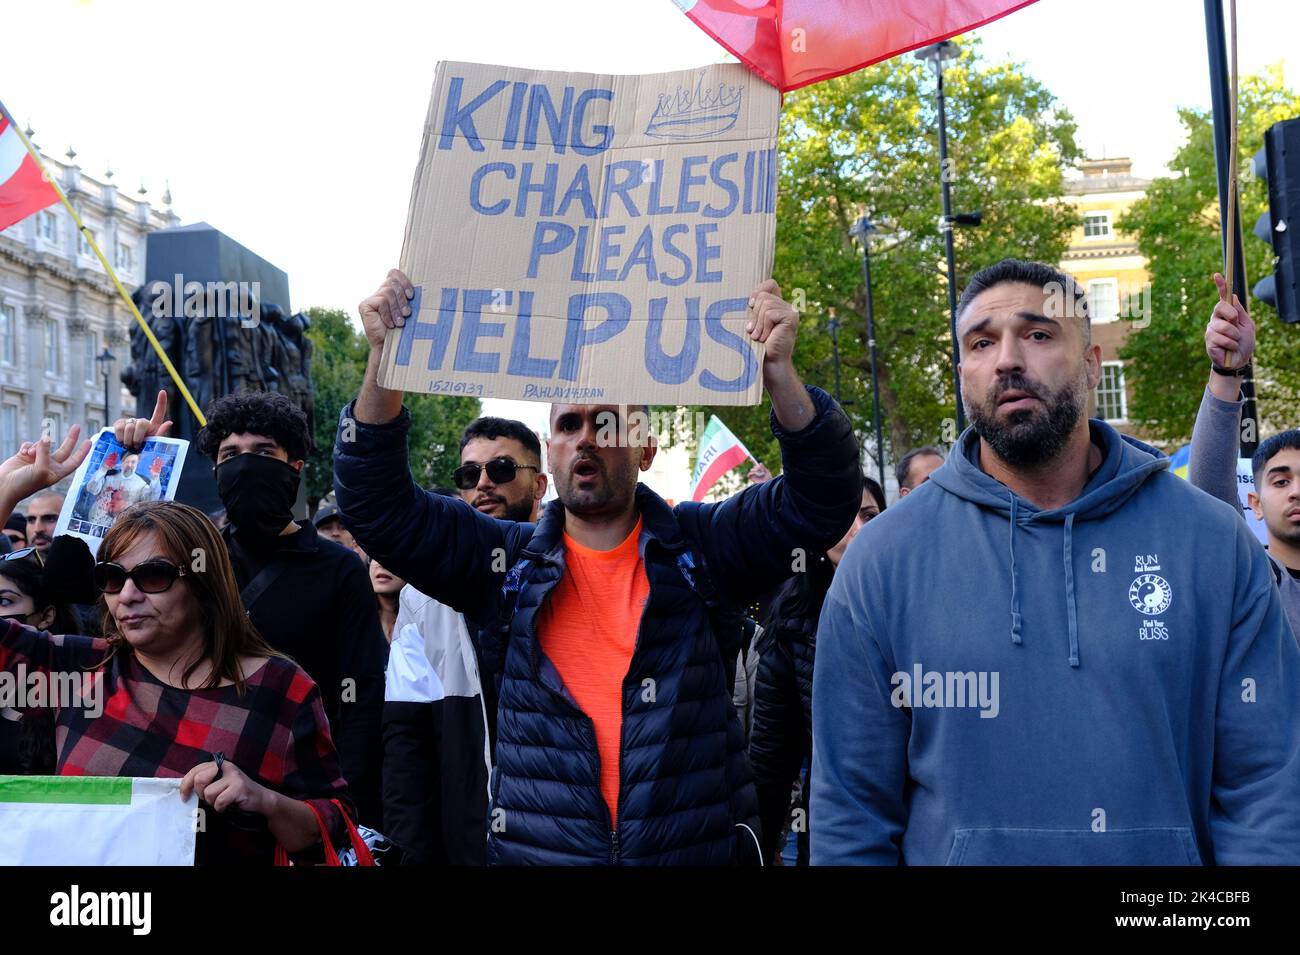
[1048, 650]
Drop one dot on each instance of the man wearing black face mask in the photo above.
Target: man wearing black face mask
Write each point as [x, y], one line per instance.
[308, 596]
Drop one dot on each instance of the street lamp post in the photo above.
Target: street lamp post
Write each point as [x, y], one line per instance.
[862, 230]
[938, 55]
[105, 362]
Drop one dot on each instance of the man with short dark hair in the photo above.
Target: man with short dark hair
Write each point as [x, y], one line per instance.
[500, 471]
[915, 467]
[1230, 340]
[1276, 502]
[308, 596]
[612, 618]
[1057, 652]
[42, 517]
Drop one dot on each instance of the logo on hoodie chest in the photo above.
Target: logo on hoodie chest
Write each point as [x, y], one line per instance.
[1150, 595]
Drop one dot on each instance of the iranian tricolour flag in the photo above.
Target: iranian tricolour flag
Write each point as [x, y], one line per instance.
[720, 451]
[791, 43]
[23, 190]
[95, 820]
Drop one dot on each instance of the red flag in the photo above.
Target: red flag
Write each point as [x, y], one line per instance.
[23, 190]
[791, 43]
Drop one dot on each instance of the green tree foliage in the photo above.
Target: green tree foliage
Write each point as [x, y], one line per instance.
[1178, 231]
[867, 143]
[338, 364]
[436, 425]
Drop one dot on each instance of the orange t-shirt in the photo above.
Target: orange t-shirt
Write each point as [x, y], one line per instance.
[588, 630]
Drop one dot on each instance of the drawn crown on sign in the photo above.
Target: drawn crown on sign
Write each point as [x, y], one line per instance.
[696, 111]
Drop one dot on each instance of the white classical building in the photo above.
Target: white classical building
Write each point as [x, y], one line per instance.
[59, 309]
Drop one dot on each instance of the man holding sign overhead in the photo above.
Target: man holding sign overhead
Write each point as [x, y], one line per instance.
[611, 619]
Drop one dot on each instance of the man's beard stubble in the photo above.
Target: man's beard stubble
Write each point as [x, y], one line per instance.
[519, 511]
[1032, 437]
[609, 496]
[1283, 529]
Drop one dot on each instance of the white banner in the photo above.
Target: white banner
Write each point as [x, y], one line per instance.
[95, 820]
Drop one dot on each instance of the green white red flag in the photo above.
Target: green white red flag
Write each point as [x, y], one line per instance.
[791, 43]
[719, 452]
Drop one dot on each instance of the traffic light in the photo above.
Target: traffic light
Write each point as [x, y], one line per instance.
[1278, 164]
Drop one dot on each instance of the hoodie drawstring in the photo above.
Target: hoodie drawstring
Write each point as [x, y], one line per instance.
[1071, 611]
[1067, 558]
[1015, 597]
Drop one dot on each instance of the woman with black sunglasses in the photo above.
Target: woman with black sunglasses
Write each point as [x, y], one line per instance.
[190, 689]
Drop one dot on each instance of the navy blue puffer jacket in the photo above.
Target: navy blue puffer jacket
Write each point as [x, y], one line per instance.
[686, 794]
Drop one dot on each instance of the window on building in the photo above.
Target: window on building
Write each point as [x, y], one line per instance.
[8, 323]
[82, 245]
[1103, 300]
[123, 257]
[53, 359]
[1112, 403]
[8, 430]
[1096, 225]
[54, 422]
[93, 425]
[90, 348]
[49, 227]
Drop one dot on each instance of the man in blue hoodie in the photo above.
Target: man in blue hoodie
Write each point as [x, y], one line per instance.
[1054, 651]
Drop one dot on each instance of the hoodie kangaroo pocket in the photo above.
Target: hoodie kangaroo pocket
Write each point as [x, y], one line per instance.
[1154, 846]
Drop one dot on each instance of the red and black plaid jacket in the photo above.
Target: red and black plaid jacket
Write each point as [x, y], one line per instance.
[276, 732]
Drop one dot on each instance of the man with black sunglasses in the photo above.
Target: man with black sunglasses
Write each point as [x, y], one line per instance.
[617, 741]
[500, 471]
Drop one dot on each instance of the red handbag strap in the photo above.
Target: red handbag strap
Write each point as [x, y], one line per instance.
[331, 857]
[364, 858]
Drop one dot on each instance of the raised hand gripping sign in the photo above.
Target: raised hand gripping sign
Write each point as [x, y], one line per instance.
[575, 237]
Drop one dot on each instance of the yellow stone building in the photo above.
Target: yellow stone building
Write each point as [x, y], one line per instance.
[1112, 270]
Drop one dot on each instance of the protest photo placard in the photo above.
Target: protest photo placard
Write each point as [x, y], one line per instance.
[112, 478]
[589, 238]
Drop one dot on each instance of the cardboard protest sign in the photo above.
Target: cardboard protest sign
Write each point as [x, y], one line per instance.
[586, 238]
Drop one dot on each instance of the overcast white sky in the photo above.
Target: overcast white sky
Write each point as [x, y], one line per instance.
[294, 127]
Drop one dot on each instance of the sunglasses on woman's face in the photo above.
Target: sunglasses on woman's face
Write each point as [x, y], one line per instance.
[150, 576]
[499, 471]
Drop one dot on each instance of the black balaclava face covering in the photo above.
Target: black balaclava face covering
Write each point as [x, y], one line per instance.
[259, 493]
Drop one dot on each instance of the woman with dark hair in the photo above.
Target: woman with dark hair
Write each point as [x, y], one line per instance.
[780, 746]
[190, 690]
[388, 588]
[40, 592]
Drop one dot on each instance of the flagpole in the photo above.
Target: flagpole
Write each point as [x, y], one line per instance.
[121, 290]
[1231, 265]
